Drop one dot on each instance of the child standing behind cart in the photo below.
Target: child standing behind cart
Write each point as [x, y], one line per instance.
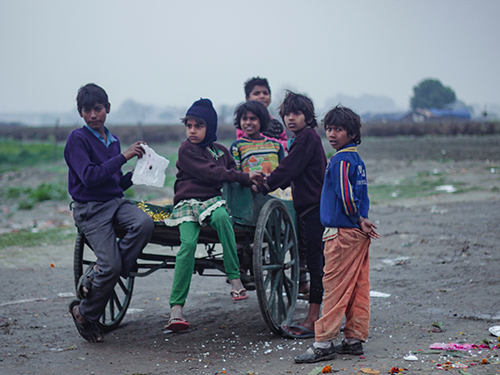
[258, 89]
[203, 166]
[253, 152]
[303, 169]
[344, 212]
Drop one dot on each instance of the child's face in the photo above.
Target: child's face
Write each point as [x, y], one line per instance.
[337, 136]
[95, 116]
[295, 121]
[195, 132]
[250, 124]
[260, 94]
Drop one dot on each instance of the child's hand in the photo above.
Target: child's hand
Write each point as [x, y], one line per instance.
[368, 227]
[255, 189]
[257, 177]
[135, 150]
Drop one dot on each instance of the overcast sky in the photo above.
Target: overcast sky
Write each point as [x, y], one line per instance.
[165, 53]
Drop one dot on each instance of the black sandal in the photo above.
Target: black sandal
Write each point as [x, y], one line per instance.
[85, 281]
[88, 330]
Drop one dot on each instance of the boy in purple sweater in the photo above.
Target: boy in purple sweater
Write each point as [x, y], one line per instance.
[96, 184]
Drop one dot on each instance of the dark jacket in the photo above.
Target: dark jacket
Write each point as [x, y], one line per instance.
[200, 175]
[303, 169]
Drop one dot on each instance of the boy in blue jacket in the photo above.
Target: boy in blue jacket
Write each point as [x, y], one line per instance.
[348, 233]
[96, 184]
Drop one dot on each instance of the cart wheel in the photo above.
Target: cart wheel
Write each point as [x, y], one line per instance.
[117, 306]
[276, 264]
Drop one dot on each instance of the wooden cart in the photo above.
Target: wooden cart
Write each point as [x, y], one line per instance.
[264, 224]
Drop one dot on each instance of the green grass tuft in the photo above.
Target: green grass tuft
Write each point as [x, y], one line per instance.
[27, 238]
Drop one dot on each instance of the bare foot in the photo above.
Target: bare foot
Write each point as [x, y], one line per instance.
[177, 323]
[88, 330]
[238, 291]
[296, 330]
[236, 284]
[177, 312]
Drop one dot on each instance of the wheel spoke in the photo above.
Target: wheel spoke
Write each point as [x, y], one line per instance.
[123, 286]
[288, 286]
[116, 301]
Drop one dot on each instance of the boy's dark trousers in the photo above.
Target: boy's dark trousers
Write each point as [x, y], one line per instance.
[310, 236]
[114, 259]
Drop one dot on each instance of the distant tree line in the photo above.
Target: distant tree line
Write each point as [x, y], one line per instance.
[177, 133]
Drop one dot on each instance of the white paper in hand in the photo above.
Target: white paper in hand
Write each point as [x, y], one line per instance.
[150, 169]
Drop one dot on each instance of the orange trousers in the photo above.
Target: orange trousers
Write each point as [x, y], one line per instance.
[346, 282]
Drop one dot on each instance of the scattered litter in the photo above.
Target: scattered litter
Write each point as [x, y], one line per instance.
[454, 346]
[366, 370]
[446, 188]
[495, 331]
[373, 293]
[396, 370]
[22, 301]
[72, 347]
[449, 366]
[322, 370]
[327, 370]
[66, 294]
[411, 357]
[438, 326]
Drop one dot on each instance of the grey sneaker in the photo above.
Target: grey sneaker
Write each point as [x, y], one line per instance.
[354, 349]
[313, 355]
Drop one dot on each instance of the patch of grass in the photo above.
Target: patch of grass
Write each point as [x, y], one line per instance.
[15, 192]
[16, 153]
[422, 185]
[27, 238]
[28, 196]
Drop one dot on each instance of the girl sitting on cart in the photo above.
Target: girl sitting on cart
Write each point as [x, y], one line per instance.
[253, 152]
[203, 166]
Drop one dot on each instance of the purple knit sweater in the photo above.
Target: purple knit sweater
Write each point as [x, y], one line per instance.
[94, 169]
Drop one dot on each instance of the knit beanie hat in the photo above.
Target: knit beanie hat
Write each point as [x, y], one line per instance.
[204, 109]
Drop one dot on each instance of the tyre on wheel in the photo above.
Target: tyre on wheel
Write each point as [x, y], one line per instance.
[276, 264]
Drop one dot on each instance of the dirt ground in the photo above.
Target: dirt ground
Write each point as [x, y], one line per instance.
[436, 262]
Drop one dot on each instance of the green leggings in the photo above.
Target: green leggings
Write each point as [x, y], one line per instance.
[184, 261]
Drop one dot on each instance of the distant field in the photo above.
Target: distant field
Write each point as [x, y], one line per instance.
[173, 133]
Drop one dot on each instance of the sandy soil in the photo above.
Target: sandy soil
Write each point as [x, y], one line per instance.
[437, 260]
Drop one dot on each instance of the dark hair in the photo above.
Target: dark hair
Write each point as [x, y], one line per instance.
[89, 95]
[198, 119]
[258, 109]
[346, 119]
[255, 81]
[298, 103]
